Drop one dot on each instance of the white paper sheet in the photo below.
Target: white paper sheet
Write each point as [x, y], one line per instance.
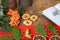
[49, 13]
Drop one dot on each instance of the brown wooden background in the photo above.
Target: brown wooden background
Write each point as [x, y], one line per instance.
[37, 8]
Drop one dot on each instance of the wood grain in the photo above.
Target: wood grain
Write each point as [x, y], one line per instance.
[37, 8]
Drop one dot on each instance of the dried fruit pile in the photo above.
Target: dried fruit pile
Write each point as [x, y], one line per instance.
[14, 17]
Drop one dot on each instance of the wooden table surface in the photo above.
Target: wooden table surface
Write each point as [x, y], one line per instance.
[37, 8]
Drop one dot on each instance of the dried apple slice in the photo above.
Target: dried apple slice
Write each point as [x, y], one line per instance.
[26, 16]
[27, 22]
[33, 17]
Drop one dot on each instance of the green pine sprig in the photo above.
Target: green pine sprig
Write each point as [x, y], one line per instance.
[1, 11]
[52, 29]
[21, 11]
[5, 3]
[17, 33]
[40, 30]
[4, 23]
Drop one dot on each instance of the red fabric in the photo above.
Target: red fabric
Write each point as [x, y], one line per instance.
[2, 33]
[32, 31]
[5, 34]
[48, 31]
[57, 27]
[9, 34]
